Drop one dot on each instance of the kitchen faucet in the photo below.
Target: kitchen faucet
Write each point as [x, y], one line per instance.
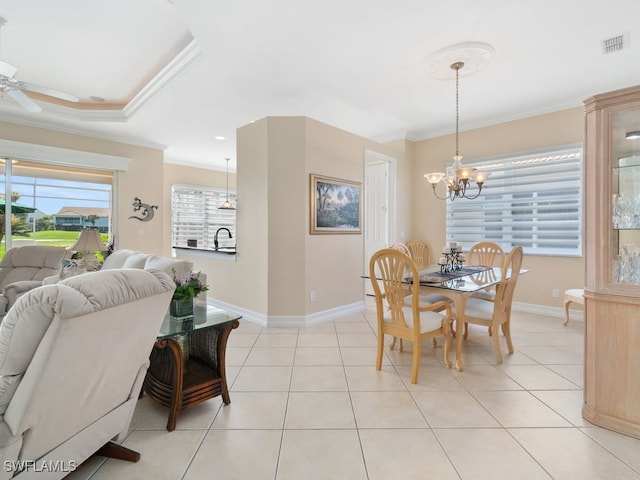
[215, 237]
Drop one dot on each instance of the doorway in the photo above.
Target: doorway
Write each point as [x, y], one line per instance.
[379, 206]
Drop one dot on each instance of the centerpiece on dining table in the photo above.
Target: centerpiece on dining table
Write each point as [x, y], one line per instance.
[187, 289]
[452, 258]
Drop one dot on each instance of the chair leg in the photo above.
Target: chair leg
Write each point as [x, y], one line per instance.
[415, 368]
[392, 345]
[380, 350]
[113, 450]
[496, 346]
[445, 349]
[506, 329]
[466, 330]
[566, 312]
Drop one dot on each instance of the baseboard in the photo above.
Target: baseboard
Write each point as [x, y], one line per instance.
[296, 321]
[574, 314]
[299, 321]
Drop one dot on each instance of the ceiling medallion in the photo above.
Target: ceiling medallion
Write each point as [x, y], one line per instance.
[474, 55]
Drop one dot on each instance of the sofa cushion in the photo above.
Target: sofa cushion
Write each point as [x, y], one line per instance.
[135, 260]
[181, 268]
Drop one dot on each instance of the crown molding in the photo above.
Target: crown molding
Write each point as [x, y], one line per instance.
[62, 156]
[114, 115]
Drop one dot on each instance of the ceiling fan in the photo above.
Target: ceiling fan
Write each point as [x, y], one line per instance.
[15, 88]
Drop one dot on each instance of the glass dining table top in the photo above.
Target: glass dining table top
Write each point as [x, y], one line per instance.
[468, 279]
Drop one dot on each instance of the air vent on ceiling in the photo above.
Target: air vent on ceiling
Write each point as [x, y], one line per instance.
[614, 44]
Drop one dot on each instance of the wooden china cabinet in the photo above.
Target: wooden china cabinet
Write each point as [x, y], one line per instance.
[612, 290]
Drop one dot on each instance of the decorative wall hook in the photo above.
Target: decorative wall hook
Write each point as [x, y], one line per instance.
[145, 210]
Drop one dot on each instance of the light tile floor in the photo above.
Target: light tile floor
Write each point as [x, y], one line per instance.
[309, 404]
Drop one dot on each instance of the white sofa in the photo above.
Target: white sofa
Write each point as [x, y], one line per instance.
[73, 356]
[133, 259]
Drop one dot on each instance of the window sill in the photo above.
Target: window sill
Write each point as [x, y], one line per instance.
[221, 251]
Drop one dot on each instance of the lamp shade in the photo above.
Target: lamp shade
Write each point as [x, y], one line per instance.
[89, 241]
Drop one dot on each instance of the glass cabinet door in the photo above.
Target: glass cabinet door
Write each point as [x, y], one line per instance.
[625, 211]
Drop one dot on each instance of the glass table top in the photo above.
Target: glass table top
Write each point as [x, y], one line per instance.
[204, 316]
[471, 279]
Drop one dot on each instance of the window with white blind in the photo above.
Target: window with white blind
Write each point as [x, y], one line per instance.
[195, 217]
[531, 200]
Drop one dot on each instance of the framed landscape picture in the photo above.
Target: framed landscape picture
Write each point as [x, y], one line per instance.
[336, 205]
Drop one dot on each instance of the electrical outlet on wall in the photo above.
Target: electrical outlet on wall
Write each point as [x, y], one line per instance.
[312, 296]
[555, 293]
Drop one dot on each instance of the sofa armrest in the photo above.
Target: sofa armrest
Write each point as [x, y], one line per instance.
[51, 280]
[16, 289]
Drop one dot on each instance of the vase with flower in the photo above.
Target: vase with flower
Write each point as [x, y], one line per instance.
[187, 289]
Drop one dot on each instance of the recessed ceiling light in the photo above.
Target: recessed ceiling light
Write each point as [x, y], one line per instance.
[632, 134]
[220, 137]
[96, 98]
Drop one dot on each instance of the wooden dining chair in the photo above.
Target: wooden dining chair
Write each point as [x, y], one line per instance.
[411, 320]
[497, 314]
[488, 254]
[420, 253]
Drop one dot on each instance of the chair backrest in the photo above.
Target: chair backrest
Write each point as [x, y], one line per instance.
[401, 247]
[31, 262]
[420, 253]
[488, 254]
[388, 272]
[76, 349]
[507, 285]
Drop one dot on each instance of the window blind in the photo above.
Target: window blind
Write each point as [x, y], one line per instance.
[532, 200]
[195, 216]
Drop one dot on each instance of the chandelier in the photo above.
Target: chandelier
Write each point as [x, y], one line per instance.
[458, 183]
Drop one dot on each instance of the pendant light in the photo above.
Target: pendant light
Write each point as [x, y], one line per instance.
[457, 183]
[227, 204]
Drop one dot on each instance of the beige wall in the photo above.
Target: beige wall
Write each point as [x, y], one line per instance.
[143, 179]
[558, 128]
[285, 151]
[279, 263]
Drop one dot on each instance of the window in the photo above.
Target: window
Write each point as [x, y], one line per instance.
[53, 203]
[195, 217]
[532, 200]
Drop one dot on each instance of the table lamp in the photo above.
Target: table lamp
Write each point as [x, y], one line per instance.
[88, 243]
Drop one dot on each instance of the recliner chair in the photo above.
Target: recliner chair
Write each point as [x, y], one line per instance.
[24, 268]
[73, 356]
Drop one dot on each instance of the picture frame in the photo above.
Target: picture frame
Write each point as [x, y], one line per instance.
[336, 206]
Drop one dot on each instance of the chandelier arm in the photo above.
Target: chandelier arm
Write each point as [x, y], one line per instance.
[436, 193]
[476, 195]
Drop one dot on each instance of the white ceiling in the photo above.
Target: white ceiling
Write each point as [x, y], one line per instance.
[358, 65]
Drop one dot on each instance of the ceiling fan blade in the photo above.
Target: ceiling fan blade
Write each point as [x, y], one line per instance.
[20, 97]
[48, 91]
[7, 70]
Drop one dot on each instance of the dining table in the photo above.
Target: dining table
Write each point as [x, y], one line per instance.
[458, 285]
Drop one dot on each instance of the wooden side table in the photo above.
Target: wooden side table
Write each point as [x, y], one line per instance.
[180, 381]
